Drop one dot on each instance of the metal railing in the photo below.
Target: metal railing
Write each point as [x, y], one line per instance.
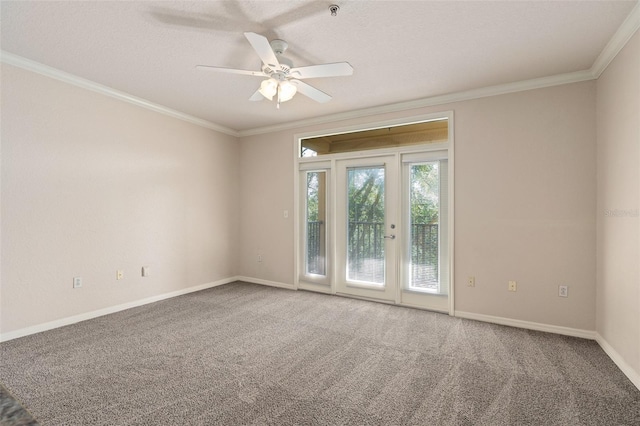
[424, 256]
[316, 256]
[365, 251]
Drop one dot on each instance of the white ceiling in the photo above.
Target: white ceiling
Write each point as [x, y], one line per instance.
[400, 50]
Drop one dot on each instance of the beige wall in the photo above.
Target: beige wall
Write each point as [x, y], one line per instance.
[90, 185]
[525, 203]
[525, 200]
[618, 247]
[266, 188]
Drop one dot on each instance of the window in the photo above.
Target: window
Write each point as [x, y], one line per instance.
[426, 132]
[426, 204]
[315, 224]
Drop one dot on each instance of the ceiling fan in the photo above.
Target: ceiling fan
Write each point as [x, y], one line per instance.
[283, 80]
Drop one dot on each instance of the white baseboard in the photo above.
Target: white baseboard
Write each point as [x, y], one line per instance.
[106, 311]
[316, 288]
[567, 331]
[264, 282]
[628, 371]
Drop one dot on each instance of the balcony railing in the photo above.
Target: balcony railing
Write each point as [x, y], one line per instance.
[424, 256]
[365, 251]
[316, 259]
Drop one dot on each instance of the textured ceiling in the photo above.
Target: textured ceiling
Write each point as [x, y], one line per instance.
[400, 50]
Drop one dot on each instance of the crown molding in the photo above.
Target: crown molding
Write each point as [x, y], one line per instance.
[613, 47]
[28, 64]
[624, 33]
[617, 42]
[501, 89]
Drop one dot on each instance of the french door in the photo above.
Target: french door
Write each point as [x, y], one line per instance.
[366, 206]
[377, 227]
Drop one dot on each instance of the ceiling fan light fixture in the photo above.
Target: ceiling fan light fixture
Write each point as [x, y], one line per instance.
[282, 79]
[268, 88]
[286, 91]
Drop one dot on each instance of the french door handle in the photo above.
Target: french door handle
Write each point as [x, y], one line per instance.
[390, 237]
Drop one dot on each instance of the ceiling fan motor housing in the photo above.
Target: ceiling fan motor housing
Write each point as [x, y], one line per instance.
[285, 67]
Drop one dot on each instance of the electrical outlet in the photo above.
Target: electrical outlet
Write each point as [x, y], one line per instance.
[513, 286]
[146, 271]
[259, 258]
[77, 282]
[471, 281]
[119, 275]
[563, 291]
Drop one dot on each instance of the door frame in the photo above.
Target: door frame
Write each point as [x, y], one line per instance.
[329, 163]
[391, 210]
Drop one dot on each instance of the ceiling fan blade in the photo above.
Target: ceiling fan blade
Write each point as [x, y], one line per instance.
[231, 70]
[257, 96]
[263, 49]
[311, 92]
[324, 70]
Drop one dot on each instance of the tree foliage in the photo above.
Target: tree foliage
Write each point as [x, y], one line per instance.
[313, 186]
[366, 194]
[425, 193]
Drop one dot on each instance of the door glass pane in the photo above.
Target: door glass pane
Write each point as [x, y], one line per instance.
[424, 211]
[316, 224]
[365, 240]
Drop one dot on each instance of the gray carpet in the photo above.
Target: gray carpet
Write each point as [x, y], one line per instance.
[249, 354]
[11, 412]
